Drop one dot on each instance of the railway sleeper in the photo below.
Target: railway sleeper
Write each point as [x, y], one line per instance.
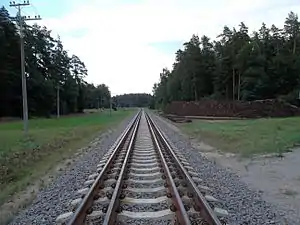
[144, 169]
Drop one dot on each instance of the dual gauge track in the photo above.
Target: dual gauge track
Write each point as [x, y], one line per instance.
[143, 180]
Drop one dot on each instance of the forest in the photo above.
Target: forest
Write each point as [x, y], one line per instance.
[133, 100]
[50, 72]
[237, 66]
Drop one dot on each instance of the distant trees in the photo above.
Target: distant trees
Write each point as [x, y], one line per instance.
[98, 97]
[237, 66]
[50, 71]
[133, 100]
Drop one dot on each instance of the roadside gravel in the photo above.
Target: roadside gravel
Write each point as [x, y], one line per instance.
[54, 199]
[245, 206]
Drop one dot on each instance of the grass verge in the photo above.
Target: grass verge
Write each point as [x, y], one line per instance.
[23, 160]
[248, 137]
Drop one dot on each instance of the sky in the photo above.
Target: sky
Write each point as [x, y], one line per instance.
[126, 43]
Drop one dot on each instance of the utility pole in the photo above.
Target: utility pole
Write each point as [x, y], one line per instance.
[110, 105]
[57, 102]
[20, 19]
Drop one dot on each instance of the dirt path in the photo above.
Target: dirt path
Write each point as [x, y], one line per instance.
[277, 178]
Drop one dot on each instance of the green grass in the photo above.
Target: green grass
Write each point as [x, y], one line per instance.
[48, 143]
[248, 137]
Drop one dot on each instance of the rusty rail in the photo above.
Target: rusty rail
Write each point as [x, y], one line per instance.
[110, 216]
[163, 148]
[205, 209]
[181, 213]
[80, 214]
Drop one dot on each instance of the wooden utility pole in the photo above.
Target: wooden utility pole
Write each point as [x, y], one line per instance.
[20, 20]
[110, 106]
[57, 101]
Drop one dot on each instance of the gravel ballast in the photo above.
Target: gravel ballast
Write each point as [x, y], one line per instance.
[54, 199]
[245, 206]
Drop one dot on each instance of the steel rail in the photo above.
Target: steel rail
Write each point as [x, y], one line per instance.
[79, 215]
[205, 209]
[110, 216]
[181, 213]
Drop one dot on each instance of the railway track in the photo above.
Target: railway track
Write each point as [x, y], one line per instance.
[142, 180]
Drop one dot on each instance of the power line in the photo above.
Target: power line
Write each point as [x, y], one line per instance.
[21, 19]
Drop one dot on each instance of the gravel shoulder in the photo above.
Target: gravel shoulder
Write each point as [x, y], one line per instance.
[246, 196]
[277, 178]
[53, 199]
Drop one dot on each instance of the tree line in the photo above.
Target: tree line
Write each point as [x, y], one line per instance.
[236, 66]
[51, 73]
[132, 100]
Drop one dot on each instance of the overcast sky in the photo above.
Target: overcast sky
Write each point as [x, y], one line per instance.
[126, 43]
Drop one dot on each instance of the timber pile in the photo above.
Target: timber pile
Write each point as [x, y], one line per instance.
[241, 109]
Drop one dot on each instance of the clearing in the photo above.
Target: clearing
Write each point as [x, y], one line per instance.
[50, 141]
[248, 137]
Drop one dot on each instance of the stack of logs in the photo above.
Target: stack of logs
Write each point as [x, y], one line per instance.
[241, 109]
